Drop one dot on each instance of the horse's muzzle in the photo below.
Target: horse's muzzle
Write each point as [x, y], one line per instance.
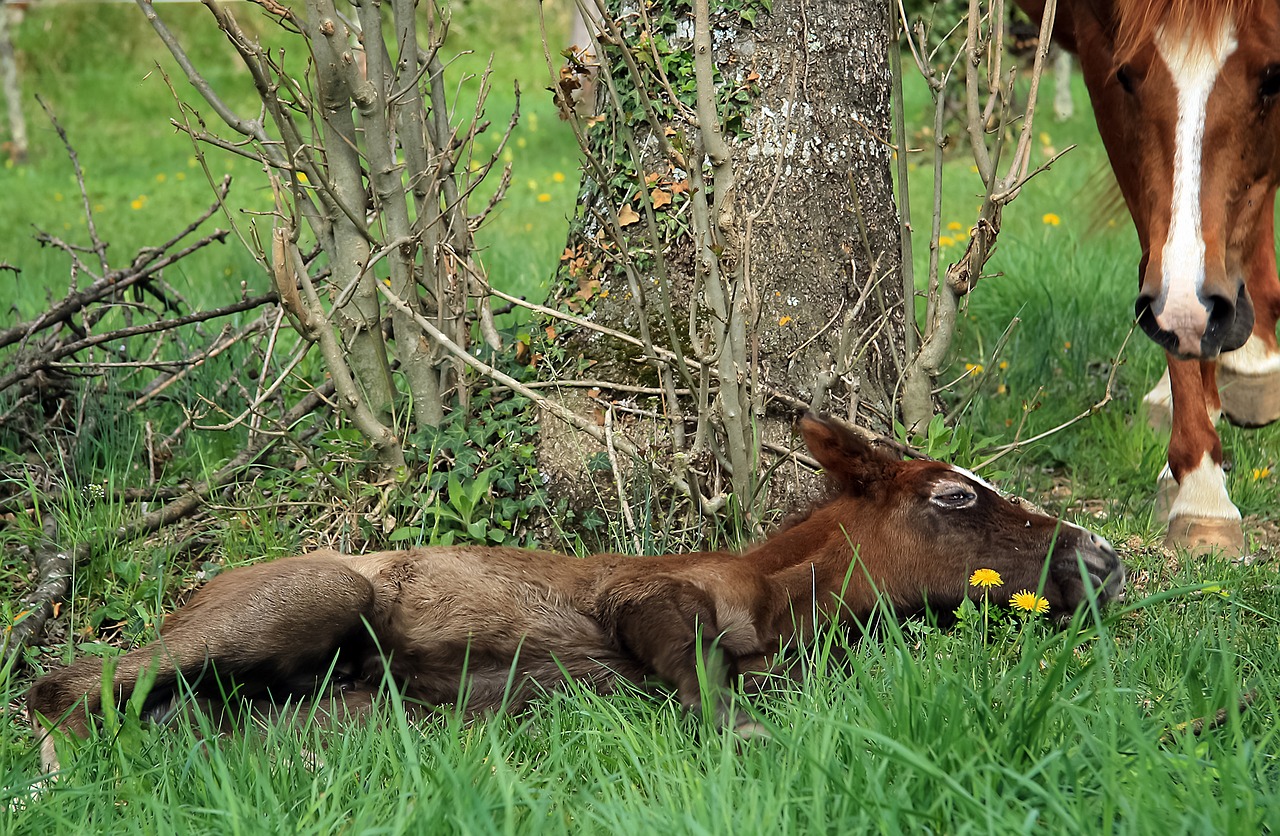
[1197, 331]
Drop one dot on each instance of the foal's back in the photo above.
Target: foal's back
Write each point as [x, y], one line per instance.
[494, 616]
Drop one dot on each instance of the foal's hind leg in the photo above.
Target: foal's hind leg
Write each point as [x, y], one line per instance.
[1249, 378]
[275, 620]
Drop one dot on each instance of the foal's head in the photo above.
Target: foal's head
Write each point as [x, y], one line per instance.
[1185, 98]
[921, 528]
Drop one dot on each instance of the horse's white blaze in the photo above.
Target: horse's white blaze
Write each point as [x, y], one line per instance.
[1253, 358]
[1194, 65]
[1203, 493]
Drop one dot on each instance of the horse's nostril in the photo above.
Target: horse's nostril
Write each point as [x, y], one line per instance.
[1222, 311]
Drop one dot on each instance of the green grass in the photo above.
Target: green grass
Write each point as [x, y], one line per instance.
[1031, 729]
[1028, 730]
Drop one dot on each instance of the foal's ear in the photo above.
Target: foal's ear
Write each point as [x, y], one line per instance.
[848, 459]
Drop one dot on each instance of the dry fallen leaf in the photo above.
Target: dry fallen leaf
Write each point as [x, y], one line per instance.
[627, 216]
[660, 198]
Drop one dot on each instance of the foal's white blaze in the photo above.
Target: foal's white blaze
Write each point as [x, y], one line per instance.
[969, 474]
[1203, 493]
[1194, 65]
[984, 483]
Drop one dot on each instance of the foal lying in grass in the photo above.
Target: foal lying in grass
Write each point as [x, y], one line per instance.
[495, 625]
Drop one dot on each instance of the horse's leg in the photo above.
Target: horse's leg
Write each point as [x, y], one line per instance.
[277, 620]
[1158, 404]
[1249, 378]
[668, 625]
[1202, 516]
[1063, 106]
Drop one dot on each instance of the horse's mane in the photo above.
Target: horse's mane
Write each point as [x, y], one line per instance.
[1137, 20]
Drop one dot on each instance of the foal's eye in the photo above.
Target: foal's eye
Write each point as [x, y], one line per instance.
[1269, 82]
[953, 496]
[1125, 77]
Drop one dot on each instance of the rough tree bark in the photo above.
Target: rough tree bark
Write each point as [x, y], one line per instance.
[749, 238]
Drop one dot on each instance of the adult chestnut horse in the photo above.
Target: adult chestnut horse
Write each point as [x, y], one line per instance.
[491, 626]
[1184, 93]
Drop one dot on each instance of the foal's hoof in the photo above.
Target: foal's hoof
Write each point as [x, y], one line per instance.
[751, 730]
[1249, 400]
[1203, 535]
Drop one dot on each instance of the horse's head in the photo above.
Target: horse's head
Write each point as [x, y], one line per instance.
[1185, 98]
[922, 528]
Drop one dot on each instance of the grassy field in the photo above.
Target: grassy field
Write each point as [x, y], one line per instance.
[1007, 727]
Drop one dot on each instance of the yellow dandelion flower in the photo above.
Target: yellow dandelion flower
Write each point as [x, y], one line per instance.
[1050, 219]
[1261, 473]
[985, 578]
[137, 203]
[521, 142]
[946, 241]
[161, 177]
[1004, 364]
[1044, 138]
[973, 368]
[784, 321]
[544, 198]
[180, 176]
[1066, 346]
[98, 207]
[1002, 389]
[1029, 603]
[558, 177]
[955, 226]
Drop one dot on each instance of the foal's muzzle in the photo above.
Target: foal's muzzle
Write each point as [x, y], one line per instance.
[1102, 567]
[1087, 566]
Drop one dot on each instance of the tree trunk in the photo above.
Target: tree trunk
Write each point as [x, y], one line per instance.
[748, 239]
[825, 250]
[12, 86]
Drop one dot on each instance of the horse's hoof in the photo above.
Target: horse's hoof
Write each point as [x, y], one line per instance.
[1166, 493]
[1158, 404]
[1204, 535]
[1249, 400]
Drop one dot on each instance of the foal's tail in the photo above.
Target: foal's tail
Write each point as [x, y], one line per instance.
[277, 621]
